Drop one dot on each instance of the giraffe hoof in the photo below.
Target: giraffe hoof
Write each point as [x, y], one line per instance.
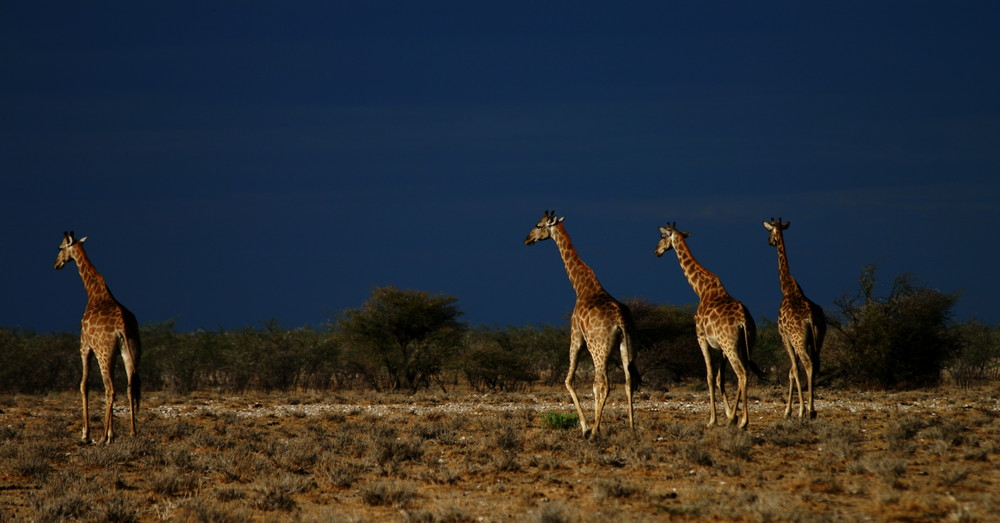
[812, 415]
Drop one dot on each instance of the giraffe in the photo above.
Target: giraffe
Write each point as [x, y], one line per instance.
[107, 327]
[801, 323]
[599, 322]
[721, 323]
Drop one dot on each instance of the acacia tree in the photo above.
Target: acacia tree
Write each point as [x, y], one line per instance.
[902, 339]
[400, 339]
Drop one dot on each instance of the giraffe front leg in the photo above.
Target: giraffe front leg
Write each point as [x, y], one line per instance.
[792, 376]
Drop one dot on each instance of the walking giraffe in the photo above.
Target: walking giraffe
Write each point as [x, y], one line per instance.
[107, 327]
[599, 321]
[721, 323]
[801, 323]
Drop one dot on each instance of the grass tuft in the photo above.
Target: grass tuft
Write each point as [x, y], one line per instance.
[560, 420]
[394, 494]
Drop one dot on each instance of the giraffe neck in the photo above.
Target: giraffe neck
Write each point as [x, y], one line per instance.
[93, 282]
[702, 281]
[788, 284]
[582, 278]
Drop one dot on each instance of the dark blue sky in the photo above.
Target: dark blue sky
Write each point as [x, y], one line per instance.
[235, 165]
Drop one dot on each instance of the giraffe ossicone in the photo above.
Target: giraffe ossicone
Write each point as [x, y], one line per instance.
[107, 328]
[599, 322]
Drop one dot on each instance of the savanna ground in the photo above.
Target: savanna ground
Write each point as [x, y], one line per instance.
[462, 456]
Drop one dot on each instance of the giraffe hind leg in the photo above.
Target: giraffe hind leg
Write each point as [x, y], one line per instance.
[574, 352]
[600, 395]
[741, 393]
[710, 377]
[627, 366]
[792, 377]
[107, 369]
[130, 354]
[85, 356]
[720, 380]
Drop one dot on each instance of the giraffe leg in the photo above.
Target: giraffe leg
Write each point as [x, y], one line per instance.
[730, 410]
[85, 354]
[576, 343]
[741, 380]
[808, 366]
[107, 368]
[600, 394]
[133, 382]
[720, 380]
[792, 378]
[802, 359]
[791, 388]
[626, 364]
[705, 351]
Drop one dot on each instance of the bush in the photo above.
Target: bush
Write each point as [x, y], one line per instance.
[560, 420]
[493, 363]
[666, 345]
[543, 350]
[978, 358]
[401, 339]
[32, 363]
[900, 340]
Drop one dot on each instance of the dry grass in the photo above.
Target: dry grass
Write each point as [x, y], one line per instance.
[457, 457]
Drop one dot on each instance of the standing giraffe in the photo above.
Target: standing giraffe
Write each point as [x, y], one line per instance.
[801, 323]
[599, 321]
[107, 327]
[721, 322]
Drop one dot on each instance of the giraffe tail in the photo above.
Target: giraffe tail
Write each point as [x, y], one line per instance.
[137, 387]
[633, 372]
[749, 341]
[629, 350]
[815, 342]
[130, 345]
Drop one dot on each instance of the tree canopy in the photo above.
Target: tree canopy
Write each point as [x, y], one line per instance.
[399, 339]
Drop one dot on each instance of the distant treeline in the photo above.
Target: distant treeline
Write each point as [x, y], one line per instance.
[407, 340]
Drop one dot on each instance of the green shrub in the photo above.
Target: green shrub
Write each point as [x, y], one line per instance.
[560, 420]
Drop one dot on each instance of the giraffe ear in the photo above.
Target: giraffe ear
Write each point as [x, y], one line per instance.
[768, 226]
[81, 240]
[664, 231]
[785, 225]
[685, 234]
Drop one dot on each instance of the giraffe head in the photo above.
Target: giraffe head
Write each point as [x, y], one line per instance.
[775, 227]
[667, 235]
[543, 229]
[67, 249]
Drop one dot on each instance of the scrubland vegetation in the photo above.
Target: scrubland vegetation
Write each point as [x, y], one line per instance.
[396, 410]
